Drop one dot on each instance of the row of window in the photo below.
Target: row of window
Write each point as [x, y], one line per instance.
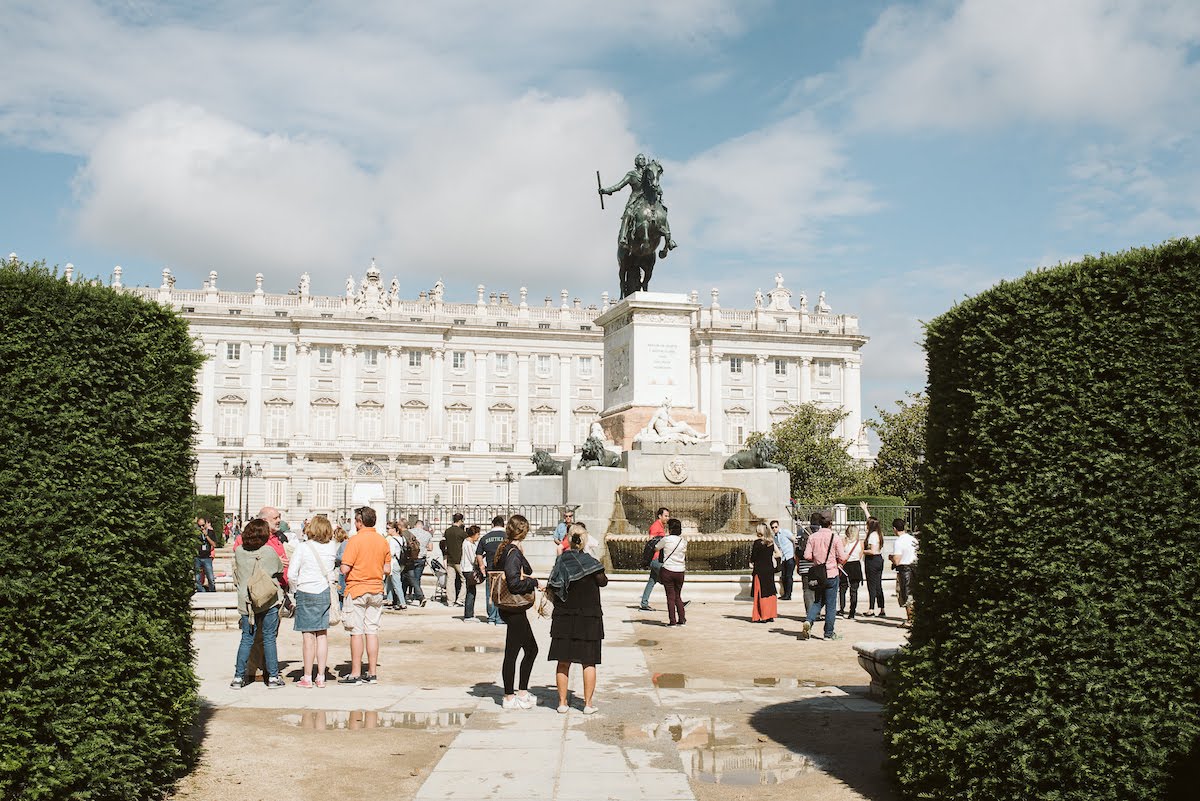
[414, 425]
[458, 358]
[327, 493]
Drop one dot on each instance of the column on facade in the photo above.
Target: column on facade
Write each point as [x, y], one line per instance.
[437, 402]
[524, 445]
[208, 392]
[704, 394]
[852, 399]
[393, 412]
[805, 380]
[716, 411]
[480, 443]
[564, 405]
[303, 389]
[760, 392]
[346, 405]
[254, 434]
[693, 379]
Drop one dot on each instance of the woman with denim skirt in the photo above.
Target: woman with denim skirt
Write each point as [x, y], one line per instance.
[264, 621]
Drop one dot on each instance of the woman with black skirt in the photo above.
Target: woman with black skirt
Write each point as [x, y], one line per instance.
[577, 626]
[519, 636]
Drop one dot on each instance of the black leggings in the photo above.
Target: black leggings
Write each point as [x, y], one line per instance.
[518, 637]
[875, 581]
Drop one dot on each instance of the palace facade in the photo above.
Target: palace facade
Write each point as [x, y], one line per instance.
[370, 398]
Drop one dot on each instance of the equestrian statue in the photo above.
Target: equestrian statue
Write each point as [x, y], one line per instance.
[643, 224]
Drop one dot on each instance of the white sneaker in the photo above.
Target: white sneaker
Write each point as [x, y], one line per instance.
[564, 709]
[512, 703]
[526, 701]
[590, 710]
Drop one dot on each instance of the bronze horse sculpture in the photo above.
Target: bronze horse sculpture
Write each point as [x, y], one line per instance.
[644, 226]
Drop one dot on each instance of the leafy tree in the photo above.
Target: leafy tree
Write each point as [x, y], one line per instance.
[818, 462]
[901, 460]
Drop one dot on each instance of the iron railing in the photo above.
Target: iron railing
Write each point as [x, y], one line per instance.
[542, 517]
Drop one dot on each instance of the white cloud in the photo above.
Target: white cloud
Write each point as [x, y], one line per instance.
[768, 192]
[503, 186]
[1124, 65]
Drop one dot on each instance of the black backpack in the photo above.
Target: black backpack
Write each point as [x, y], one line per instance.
[648, 551]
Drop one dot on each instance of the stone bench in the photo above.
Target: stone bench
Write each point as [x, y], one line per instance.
[874, 657]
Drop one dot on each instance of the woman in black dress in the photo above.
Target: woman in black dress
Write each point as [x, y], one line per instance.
[577, 626]
[764, 557]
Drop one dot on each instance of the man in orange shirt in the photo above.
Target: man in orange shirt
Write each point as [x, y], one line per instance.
[366, 561]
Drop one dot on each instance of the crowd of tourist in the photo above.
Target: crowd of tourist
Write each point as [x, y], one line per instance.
[327, 576]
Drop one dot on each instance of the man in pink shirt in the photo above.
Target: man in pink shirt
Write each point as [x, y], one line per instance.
[825, 548]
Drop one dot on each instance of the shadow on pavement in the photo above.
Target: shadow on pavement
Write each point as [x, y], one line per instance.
[847, 744]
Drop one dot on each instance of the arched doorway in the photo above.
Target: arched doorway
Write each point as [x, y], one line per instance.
[368, 491]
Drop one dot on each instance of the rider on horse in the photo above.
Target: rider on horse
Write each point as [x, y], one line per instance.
[645, 200]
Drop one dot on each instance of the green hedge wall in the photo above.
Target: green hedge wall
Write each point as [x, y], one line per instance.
[97, 692]
[1054, 651]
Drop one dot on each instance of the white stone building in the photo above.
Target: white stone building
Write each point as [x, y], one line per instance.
[370, 398]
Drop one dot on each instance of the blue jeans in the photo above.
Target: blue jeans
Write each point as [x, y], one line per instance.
[650, 582]
[393, 589]
[829, 600]
[787, 574]
[493, 612]
[412, 581]
[269, 620]
[469, 602]
[204, 567]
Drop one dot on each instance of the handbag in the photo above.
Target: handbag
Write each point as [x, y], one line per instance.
[506, 599]
[546, 604]
[817, 579]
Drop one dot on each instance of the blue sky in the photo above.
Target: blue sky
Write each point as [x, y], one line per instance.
[897, 156]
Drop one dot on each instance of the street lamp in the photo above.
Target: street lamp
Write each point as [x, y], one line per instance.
[194, 465]
[244, 470]
[508, 477]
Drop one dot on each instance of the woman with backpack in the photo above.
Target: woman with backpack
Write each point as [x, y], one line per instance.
[257, 572]
[309, 573]
[518, 576]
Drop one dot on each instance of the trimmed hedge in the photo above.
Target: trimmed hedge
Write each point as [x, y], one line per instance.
[97, 693]
[1054, 650]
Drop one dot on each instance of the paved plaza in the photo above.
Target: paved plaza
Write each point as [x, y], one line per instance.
[719, 708]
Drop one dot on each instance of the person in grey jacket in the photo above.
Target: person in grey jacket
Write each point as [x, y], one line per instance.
[266, 620]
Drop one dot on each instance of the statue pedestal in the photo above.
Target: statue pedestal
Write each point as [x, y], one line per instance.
[647, 342]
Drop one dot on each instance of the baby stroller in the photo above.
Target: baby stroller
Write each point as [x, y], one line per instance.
[439, 572]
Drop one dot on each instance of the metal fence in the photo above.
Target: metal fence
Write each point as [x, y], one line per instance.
[542, 518]
[885, 514]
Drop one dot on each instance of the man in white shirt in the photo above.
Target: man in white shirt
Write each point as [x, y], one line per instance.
[904, 560]
[412, 576]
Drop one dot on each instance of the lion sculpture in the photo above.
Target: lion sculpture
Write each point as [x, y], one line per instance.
[545, 465]
[752, 458]
[594, 454]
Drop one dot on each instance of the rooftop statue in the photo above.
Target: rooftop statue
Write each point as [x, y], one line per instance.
[643, 224]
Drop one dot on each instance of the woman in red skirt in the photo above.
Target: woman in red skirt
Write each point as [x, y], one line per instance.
[764, 561]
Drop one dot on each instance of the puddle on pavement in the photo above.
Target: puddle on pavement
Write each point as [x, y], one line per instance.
[477, 649]
[403, 642]
[328, 720]
[714, 753]
[681, 681]
[646, 643]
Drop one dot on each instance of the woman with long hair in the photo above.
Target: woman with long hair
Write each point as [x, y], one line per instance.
[852, 572]
[308, 573]
[577, 624]
[249, 555]
[873, 564]
[673, 548]
[518, 575]
[764, 558]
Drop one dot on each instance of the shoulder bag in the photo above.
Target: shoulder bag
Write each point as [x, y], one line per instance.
[505, 598]
[817, 579]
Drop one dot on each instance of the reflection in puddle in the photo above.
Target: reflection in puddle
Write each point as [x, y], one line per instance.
[324, 720]
[711, 754]
[681, 681]
[646, 643]
[403, 642]
[477, 649]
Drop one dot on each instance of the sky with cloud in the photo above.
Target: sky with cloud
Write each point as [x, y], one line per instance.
[897, 156]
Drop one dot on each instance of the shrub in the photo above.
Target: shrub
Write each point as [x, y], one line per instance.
[98, 693]
[1054, 651]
